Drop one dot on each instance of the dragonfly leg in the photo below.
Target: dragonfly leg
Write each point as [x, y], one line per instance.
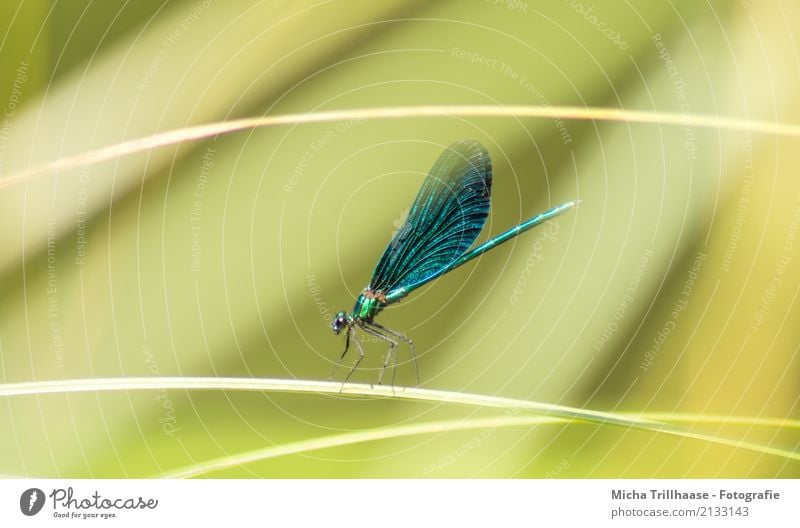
[408, 341]
[392, 347]
[394, 368]
[356, 362]
[339, 361]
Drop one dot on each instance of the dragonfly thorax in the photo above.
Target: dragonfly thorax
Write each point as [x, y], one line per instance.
[368, 304]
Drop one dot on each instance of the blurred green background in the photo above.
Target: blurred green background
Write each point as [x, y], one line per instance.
[672, 288]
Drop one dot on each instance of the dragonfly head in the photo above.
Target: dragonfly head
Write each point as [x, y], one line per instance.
[340, 322]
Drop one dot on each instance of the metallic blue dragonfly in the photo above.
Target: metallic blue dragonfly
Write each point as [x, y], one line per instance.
[445, 219]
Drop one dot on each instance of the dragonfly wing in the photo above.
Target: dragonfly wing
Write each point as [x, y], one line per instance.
[445, 219]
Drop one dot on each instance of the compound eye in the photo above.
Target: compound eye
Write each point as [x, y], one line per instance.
[339, 322]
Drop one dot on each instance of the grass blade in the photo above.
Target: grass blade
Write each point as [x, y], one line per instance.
[356, 437]
[319, 387]
[383, 433]
[564, 112]
[546, 413]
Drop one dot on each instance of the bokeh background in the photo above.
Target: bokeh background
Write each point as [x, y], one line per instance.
[672, 289]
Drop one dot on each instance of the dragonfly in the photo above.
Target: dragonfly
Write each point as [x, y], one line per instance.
[444, 221]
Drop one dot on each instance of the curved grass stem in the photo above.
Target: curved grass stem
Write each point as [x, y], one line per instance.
[343, 439]
[310, 386]
[355, 437]
[209, 130]
[544, 413]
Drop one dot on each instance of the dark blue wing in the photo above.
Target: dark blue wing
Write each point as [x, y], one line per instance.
[445, 219]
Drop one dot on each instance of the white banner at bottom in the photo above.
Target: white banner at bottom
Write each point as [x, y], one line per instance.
[399, 503]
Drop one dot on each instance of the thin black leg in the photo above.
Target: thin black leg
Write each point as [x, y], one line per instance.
[394, 369]
[339, 361]
[402, 337]
[392, 346]
[357, 361]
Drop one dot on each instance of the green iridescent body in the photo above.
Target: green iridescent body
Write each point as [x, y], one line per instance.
[368, 304]
[366, 307]
[444, 221]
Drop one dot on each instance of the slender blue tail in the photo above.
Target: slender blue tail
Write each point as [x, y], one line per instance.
[399, 293]
[511, 233]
